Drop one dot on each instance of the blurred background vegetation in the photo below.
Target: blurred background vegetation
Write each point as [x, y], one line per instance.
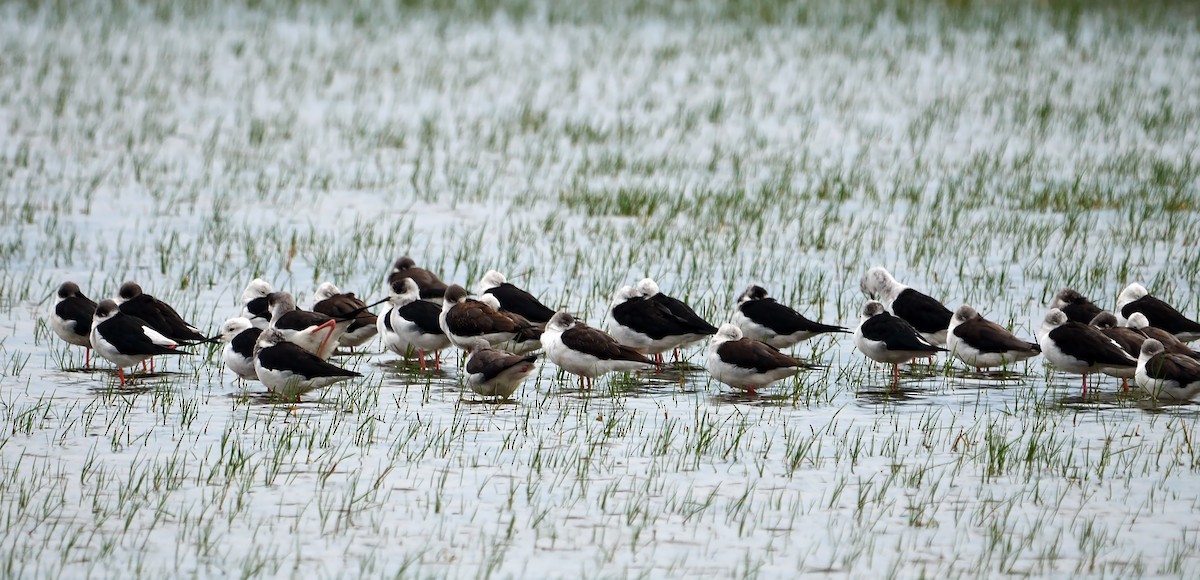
[959, 13]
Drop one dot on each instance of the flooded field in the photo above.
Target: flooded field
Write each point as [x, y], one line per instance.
[984, 154]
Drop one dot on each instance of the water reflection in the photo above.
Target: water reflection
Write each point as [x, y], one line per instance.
[485, 404]
[884, 394]
[87, 370]
[763, 398]
[135, 383]
[411, 368]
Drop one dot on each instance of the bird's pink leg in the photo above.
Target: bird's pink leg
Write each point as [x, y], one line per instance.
[421, 356]
[330, 324]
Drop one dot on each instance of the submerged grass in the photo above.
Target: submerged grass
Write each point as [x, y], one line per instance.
[986, 153]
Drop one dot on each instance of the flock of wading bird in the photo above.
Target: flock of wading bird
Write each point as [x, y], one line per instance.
[501, 326]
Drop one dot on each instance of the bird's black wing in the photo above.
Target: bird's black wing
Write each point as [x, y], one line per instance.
[260, 308]
[923, 312]
[490, 363]
[243, 343]
[781, 319]
[1081, 311]
[286, 356]
[517, 300]
[987, 336]
[761, 357]
[1089, 345]
[429, 284]
[342, 306]
[695, 323]
[650, 318]
[588, 340]
[424, 314]
[474, 318]
[896, 334]
[1161, 315]
[78, 309]
[300, 320]
[126, 334]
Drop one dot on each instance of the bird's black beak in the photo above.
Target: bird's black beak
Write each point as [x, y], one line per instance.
[376, 303]
[353, 313]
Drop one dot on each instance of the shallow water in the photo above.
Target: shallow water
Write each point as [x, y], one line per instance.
[987, 157]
